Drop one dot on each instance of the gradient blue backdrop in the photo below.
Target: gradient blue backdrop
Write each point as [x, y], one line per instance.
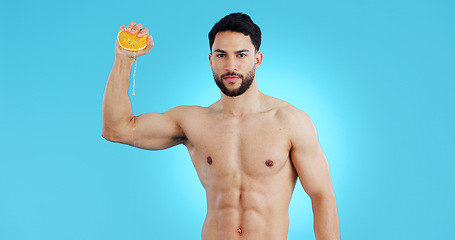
[376, 77]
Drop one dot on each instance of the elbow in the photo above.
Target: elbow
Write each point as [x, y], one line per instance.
[109, 135]
[116, 132]
[323, 196]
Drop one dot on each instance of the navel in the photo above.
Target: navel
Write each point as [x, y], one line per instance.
[239, 231]
[209, 160]
[269, 163]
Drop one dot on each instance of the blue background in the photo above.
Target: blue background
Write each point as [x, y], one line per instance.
[376, 77]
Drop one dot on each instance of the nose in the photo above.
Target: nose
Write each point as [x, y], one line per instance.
[231, 65]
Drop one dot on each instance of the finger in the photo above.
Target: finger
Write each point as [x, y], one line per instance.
[144, 31]
[130, 26]
[123, 28]
[150, 44]
[136, 28]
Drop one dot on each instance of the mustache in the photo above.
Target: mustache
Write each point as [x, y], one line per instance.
[232, 74]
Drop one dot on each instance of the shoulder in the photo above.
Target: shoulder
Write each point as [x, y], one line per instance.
[298, 124]
[290, 115]
[185, 113]
[185, 109]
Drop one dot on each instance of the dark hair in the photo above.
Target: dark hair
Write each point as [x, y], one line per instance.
[237, 22]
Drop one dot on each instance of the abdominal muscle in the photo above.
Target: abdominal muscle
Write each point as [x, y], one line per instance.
[245, 214]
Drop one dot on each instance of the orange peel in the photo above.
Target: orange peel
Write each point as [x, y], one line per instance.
[131, 42]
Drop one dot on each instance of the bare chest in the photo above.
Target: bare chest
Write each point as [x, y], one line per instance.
[229, 149]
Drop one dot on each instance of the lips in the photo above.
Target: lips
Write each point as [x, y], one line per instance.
[231, 78]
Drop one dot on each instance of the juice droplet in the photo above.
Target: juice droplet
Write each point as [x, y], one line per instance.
[134, 71]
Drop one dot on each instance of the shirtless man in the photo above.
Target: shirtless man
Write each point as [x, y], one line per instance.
[248, 148]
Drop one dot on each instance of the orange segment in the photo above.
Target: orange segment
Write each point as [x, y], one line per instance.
[131, 42]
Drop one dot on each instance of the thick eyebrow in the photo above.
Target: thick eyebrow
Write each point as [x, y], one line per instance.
[236, 52]
[241, 51]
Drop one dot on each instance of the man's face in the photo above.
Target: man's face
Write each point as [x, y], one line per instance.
[234, 61]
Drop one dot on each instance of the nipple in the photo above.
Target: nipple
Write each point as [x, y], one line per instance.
[269, 163]
[209, 160]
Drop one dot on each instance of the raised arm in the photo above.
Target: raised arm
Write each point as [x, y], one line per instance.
[311, 165]
[151, 130]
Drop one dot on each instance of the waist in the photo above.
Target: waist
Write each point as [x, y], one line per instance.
[245, 223]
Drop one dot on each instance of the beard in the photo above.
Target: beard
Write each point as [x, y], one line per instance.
[246, 82]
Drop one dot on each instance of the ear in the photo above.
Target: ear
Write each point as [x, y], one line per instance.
[258, 59]
[210, 59]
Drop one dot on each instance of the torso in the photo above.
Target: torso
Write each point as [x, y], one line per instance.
[245, 167]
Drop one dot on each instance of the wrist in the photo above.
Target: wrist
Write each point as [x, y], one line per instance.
[123, 60]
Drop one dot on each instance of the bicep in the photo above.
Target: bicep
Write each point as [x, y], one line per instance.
[154, 131]
[313, 171]
[310, 161]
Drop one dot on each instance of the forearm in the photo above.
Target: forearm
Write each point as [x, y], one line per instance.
[116, 103]
[326, 223]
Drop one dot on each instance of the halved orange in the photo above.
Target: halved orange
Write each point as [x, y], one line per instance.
[131, 42]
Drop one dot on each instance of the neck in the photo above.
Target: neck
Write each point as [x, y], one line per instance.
[247, 103]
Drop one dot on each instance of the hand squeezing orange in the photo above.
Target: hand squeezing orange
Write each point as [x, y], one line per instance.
[131, 42]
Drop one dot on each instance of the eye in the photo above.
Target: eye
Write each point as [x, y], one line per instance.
[241, 55]
[220, 55]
